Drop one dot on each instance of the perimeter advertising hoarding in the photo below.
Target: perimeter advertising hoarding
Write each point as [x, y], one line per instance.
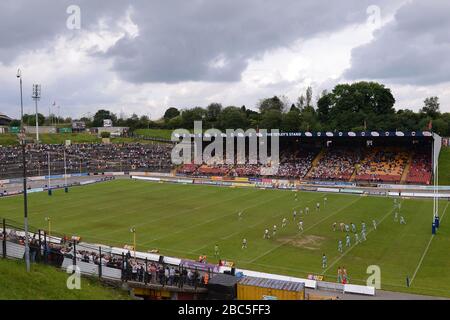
[78, 125]
[351, 191]
[65, 130]
[332, 183]
[191, 264]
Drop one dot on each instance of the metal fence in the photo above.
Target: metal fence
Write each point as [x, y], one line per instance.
[101, 261]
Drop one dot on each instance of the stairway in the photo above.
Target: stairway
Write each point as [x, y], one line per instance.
[315, 161]
[406, 171]
[352, 178]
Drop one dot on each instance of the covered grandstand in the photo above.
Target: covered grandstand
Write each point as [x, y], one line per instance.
[4, 120]
[362, 158]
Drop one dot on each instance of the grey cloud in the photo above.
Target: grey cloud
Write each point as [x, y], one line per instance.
[179, 39]
[413, 49]
[33, 25]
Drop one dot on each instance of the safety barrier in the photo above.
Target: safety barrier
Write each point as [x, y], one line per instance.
[15, 249]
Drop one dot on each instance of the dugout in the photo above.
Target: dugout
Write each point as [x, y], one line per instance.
[222, 287]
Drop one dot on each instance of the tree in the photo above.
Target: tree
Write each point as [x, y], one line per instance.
[308, 99]
[359, 103]
[407, 120]
[171, 113]
[101, 115]
[273, 103]
[87, 121]
[188, 117]
[30, 119]
[271, 119]
[294, 108]
[14, 123]
[175, 123]
[431, 107]
[309, 120]
[213, 111]
[144, 122]
[291, 120]
[232, 118]
[440, 126]
[132, 122]
[301, 102]
[323, 108]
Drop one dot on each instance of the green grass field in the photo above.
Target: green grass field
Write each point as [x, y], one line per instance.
[444, 166]
[188, 220]
[47, 283]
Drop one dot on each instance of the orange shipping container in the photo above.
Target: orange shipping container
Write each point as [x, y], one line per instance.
[250, 288]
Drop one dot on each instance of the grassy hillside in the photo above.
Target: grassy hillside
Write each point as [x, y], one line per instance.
[48, 283]
[188, 220]
[155, 133]
[444, 166]
[8, 139]
[58, 138]
[53, 138]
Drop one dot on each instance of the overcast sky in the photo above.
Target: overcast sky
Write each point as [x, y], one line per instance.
[144, 56]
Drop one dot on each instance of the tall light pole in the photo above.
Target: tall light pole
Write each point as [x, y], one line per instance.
[66, 188]
[49, 190]
[133, 231]
[49, 228]
[36, 96]
[24, 164]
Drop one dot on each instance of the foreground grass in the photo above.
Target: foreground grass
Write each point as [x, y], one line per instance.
[48, 283]
[188, 220]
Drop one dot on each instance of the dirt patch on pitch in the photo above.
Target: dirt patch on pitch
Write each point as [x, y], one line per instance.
[310, 242]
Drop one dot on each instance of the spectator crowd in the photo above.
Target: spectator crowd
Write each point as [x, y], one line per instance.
[132, 268]
[85, 158]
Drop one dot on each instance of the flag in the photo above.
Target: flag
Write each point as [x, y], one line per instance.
[430, 125]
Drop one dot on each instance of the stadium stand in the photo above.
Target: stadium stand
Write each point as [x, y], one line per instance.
[294, 164]
[85, 158]
[382, 164]
[420, 169]
[389, 161]
[340, 163]
[336, 164]
[297, 164]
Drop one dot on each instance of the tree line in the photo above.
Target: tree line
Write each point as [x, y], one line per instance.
[357, 106]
